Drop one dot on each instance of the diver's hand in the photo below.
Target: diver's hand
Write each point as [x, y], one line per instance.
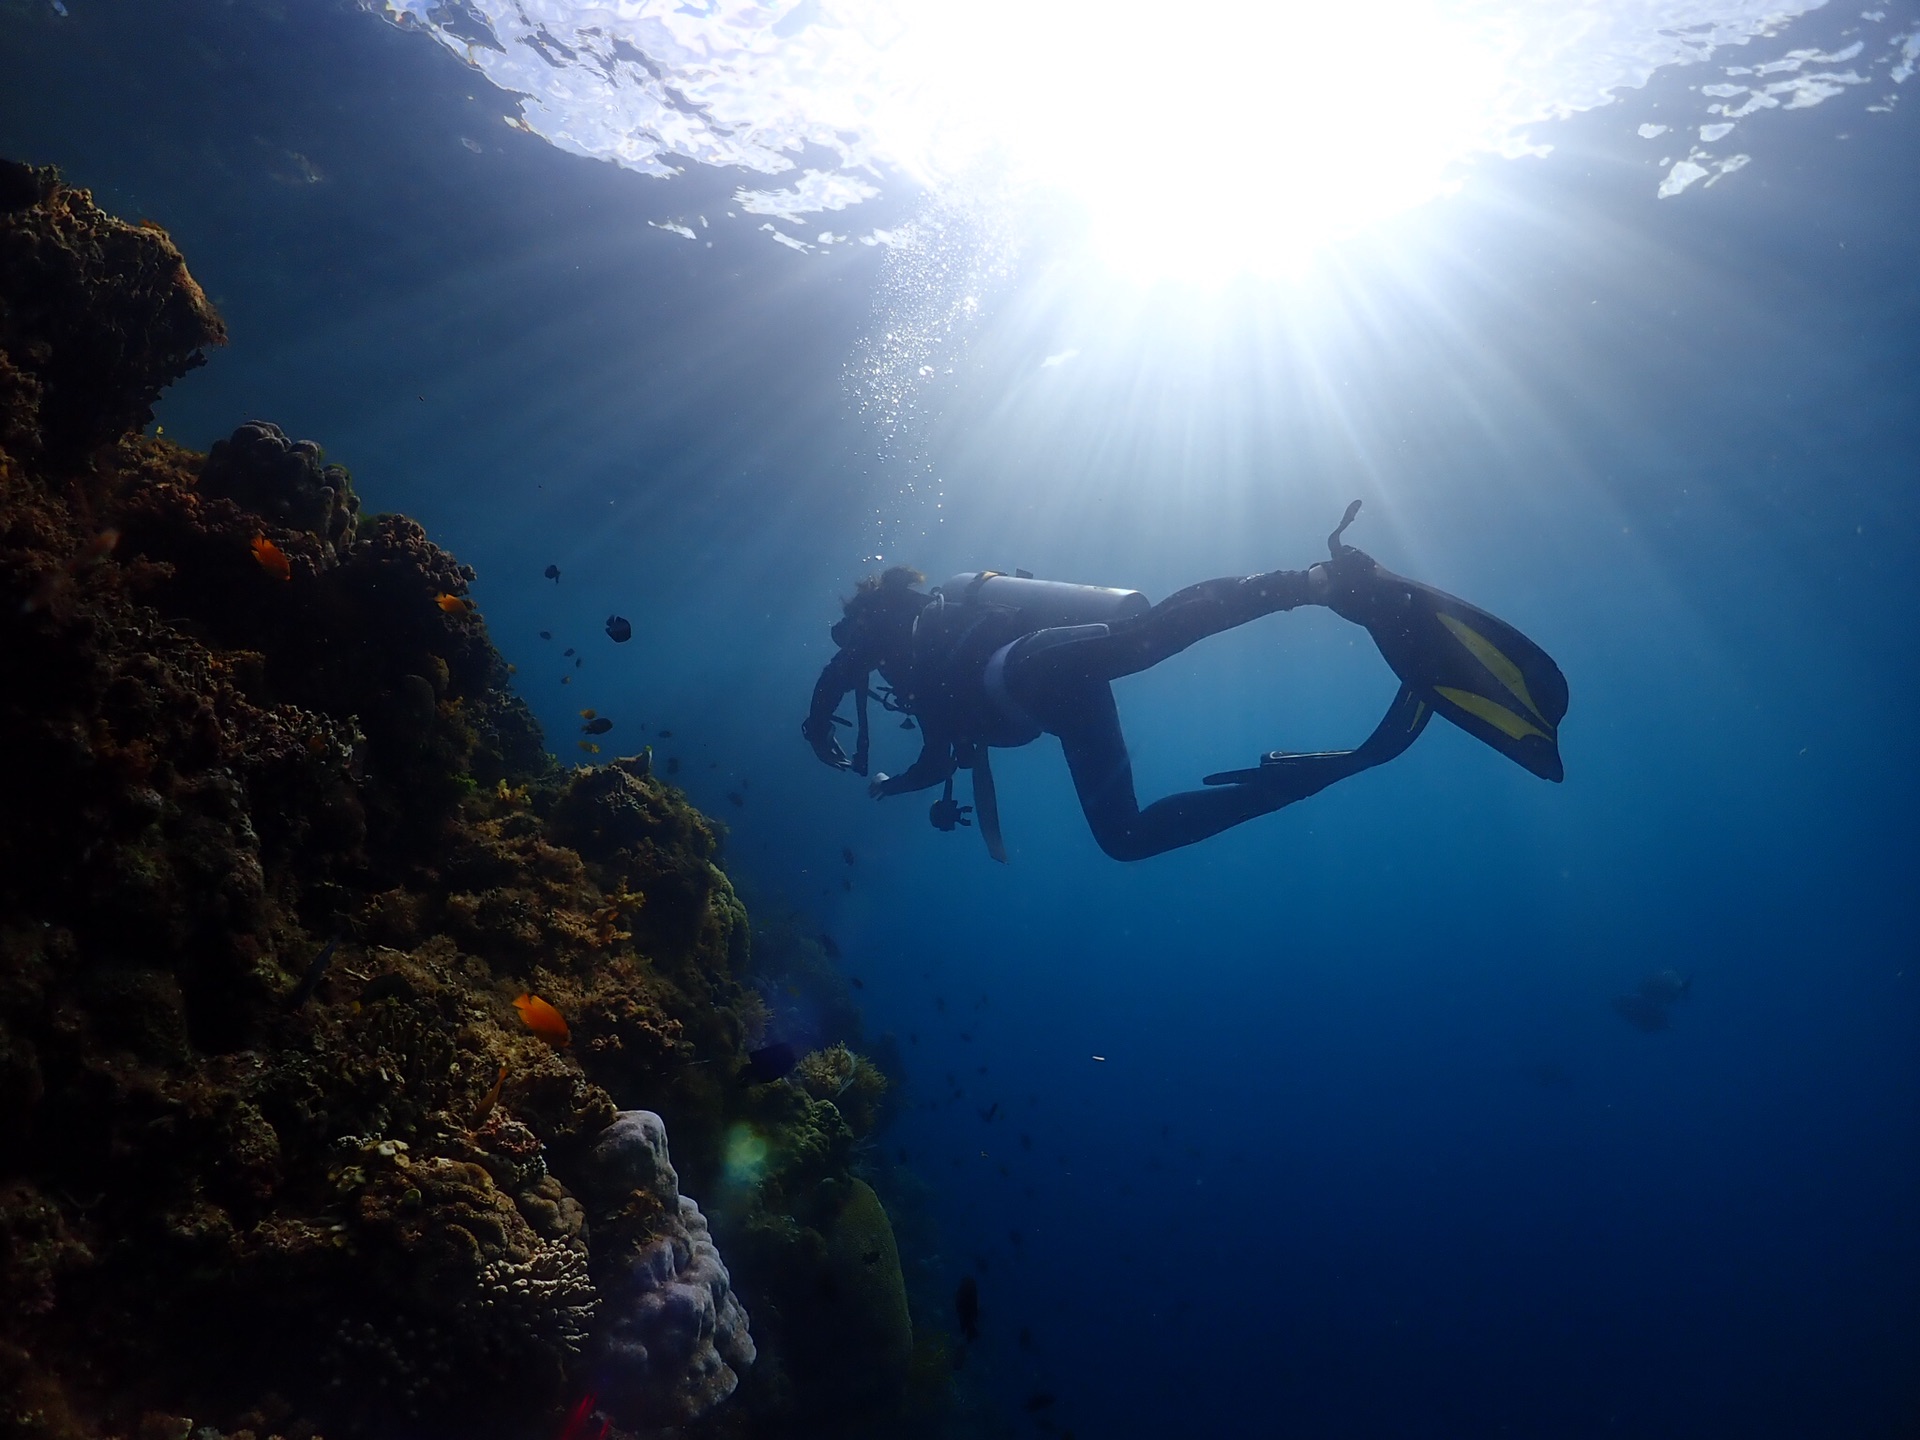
[819, 735]
[874, 785]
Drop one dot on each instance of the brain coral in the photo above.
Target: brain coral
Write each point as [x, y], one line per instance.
[674, 1334]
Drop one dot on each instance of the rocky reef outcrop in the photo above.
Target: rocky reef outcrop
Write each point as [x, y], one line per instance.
[288, 1147]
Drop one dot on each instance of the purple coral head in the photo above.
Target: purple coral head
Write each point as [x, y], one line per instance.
[674, 1333]
[631, 1154]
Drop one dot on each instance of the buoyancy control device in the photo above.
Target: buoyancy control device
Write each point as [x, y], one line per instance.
[1050, 612]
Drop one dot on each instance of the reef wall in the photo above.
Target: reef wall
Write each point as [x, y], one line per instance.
[321, 984]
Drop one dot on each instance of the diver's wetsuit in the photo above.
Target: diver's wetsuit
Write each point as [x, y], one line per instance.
[1065, 688]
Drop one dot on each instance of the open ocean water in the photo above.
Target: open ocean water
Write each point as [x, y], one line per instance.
[1329, 1126]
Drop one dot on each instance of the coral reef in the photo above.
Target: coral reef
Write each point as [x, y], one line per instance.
[281, 848]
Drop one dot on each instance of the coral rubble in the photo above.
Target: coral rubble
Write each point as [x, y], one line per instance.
[280, 849]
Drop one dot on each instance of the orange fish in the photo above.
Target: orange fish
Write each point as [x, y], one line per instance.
[542, 1019]
[98, 548]
[587, 714]
[272, 558]
[493, 1095]
[455, 604]
[589, 747]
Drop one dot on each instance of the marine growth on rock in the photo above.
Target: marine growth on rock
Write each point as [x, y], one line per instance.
[280, 848]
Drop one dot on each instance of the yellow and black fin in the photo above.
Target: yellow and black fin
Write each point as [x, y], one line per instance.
[1473, 668]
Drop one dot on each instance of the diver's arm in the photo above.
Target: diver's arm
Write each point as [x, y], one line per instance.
[935, 765]
[842, 673]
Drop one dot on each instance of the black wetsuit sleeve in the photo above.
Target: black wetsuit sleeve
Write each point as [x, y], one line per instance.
[934, 767]
[842, 673]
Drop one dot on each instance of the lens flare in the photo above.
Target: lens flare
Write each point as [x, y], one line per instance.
[746, 1155]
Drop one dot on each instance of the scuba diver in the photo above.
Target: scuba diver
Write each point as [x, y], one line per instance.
[994, 660]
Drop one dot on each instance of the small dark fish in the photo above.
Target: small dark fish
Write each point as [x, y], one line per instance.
[1641, 1013]
[316, 972]
[830, 945]
[673, 764]
[578, 663]
[1663, 987]
[1026, 1141]
[991, 1112]
[599, 725]
[567, 651]
[770, 1062]
[1016, 1237]
[847, 885]
[552, 572]
[846, 854]
[546, 634]
[856, 982]
[666, 734]
[966, 1308]
[619, 629]
[1039, 1400]
[939, 1004]
[736, 798]
[1548, 1075]
[913, 1037]
[390, 986]
[966, 1036]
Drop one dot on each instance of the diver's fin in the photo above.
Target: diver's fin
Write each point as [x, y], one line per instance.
[1470, 666]
[1406, 717]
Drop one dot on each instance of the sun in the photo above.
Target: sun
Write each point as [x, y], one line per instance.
[1198, 143]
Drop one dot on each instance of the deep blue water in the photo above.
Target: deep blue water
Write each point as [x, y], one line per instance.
[1369, 1155]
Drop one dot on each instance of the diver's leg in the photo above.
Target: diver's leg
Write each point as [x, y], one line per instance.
[1178, 621]
[1088, 724]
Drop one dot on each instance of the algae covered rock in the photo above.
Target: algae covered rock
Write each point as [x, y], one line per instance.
[872, 1294]
[97, 317]
[282, 480]
[280, 847]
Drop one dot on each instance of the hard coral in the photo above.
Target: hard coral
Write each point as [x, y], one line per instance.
[676, 1335]
[96, 317]
[283, 481]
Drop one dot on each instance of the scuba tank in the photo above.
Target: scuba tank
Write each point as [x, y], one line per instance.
[1049, 612]
[1044, 604]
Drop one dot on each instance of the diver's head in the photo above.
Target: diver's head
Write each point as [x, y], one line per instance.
[877, 623]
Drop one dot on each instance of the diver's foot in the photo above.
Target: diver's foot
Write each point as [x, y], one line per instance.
[1282, 765]
[1406, 717]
